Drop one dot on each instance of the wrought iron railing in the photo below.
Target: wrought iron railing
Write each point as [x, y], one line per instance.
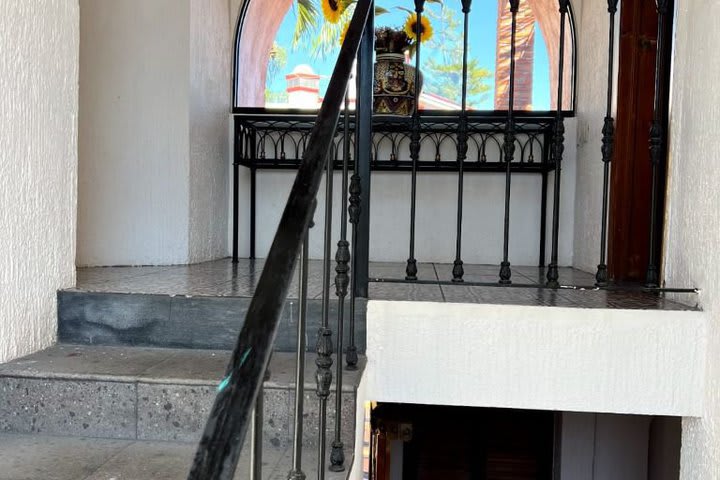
[276, 140]
[504, 142]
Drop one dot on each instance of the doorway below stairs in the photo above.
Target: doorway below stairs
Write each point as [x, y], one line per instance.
[428, 442]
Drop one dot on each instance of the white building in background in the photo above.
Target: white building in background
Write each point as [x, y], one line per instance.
[303, 88]
[303, 92]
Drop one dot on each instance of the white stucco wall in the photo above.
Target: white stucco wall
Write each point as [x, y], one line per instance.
[548, 358]
[134, 135]
[210, 81]
[38, 167]
[154, 97]
[693, 221]
[592, 53]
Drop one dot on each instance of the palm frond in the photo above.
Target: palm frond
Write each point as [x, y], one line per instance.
[307, 17]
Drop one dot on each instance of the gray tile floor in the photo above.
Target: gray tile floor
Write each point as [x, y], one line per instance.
[44, 457]
[223, 278]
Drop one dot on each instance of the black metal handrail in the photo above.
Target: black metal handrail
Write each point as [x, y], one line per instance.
[227, 425]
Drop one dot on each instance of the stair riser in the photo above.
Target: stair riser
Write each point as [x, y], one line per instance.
[182, 322]
[148, 411]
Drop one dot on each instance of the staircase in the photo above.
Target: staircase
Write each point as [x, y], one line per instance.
[134, 410]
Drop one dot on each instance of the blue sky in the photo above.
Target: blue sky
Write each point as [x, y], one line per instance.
[483, 31]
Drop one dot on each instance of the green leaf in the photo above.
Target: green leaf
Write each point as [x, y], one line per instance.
[381, 11]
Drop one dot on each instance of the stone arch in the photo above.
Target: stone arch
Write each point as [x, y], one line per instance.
[257, 26]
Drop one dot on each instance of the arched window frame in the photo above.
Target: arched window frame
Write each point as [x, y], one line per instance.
[571, 31]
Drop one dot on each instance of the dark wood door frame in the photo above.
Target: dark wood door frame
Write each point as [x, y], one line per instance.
[630, 181]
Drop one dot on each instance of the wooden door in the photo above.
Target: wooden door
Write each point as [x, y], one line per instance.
[628, 241]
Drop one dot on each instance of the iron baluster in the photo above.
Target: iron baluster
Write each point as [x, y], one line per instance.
[253, 211]
[296, 473]
[608, 147]
[363, 160]
[342, 280]
[411, 269]
[256, 438]
[323, 377]
[509, 148]
[324, 342]
[240, 133]
[462, 148]
[558, 147]
[657, 135]
[351, 357]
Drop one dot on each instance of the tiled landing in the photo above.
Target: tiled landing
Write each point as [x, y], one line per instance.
[222, 278]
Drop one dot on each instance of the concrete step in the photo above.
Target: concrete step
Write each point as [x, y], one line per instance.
[46, 457]
[150, 394]
[181, 321]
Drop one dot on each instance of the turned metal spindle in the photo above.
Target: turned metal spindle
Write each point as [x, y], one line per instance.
[296, 473]
[509, 148]
[657, 135]
[324, 342]
[342, 280]
[411, 268]
[608, 146]
[462, 148]
[558, 147]
[351, 356]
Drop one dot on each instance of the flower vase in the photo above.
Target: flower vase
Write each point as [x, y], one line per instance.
[394, 91]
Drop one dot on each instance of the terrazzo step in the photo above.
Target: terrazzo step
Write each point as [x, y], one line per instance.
[181, 321]
[46, 457]
[151, 394]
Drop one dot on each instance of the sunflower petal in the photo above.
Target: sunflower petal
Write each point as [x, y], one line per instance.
[333, 9]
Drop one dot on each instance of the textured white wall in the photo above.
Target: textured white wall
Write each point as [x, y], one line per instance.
[134, 135]
[592, 360]
[592, 27]
[38, 167]
[154, 97]
[693, 221]
[210, 79]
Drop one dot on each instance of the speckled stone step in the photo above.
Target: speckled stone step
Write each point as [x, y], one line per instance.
[149, 394]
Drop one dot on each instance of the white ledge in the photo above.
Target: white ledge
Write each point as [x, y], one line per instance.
[587, 360]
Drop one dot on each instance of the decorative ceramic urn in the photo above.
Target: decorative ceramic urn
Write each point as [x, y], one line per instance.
[394, 90]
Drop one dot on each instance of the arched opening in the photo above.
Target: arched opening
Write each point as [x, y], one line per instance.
[262, 37]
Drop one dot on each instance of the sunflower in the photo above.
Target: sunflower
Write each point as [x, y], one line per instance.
[333, 9]
[426, 31]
